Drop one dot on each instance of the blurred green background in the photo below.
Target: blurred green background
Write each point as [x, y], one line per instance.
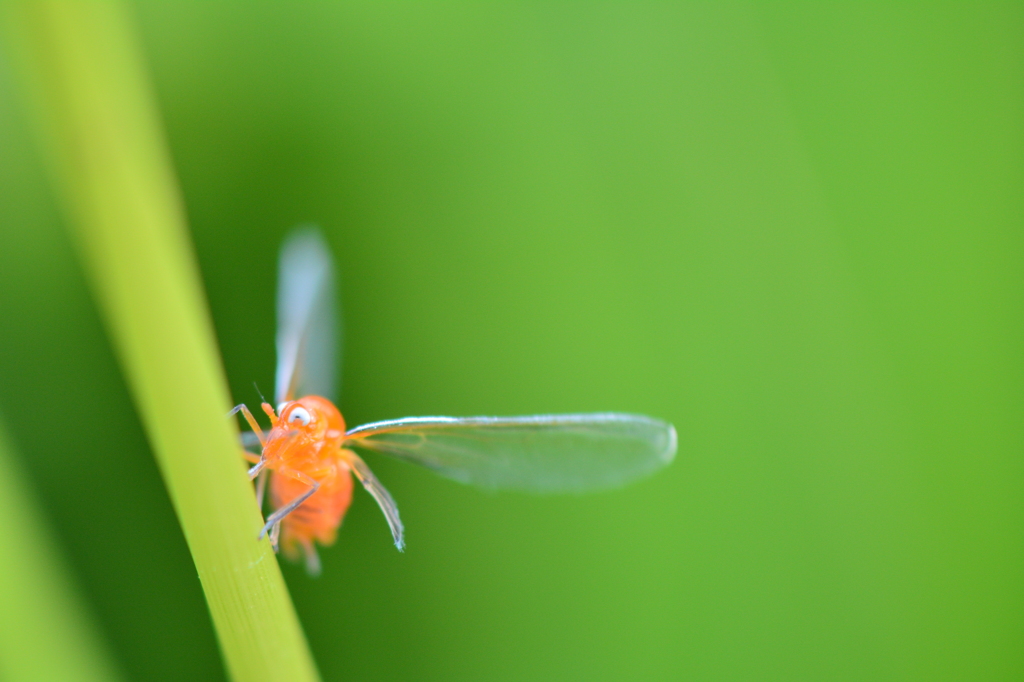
[794, 231]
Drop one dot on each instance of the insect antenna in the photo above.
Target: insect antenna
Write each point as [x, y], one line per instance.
[262, 398]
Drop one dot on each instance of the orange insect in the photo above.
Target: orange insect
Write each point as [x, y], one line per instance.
[309, 453]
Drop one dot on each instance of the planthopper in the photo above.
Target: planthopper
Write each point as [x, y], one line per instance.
[310, 457]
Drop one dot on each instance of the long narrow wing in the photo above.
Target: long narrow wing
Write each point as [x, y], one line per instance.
[307, 323]
[546, 453]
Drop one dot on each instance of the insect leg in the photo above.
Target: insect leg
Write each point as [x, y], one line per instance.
[251, 457]
[275, 536]
[312, 558]
[261, 488]
[251, 419]
[257, 468]
[294, 504]
[380, 493]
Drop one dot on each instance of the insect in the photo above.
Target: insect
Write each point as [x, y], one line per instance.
[310, 456]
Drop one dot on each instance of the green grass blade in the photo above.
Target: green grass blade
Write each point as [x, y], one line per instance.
[100, 122]
[45, 630]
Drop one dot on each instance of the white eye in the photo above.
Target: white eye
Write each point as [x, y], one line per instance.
[281, 406]
[299, 415]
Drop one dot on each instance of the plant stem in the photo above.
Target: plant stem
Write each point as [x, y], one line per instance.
[114, 173]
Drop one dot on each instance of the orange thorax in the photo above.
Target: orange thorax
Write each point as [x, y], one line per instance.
[306, 434]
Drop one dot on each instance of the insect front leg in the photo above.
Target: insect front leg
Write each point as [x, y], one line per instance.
[253, 424]
[251, 457]
[294, 504]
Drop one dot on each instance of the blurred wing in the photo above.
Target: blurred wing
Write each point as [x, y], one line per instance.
[306, 319]
[547, 454]
[250, 441]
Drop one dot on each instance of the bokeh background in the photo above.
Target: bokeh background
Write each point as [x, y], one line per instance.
[793, 230]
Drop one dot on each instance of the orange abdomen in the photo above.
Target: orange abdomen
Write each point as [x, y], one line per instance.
[318, 517]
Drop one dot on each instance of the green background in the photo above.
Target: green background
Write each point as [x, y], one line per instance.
[794, 231]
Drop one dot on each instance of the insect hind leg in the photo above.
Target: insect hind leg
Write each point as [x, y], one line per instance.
[312, 558]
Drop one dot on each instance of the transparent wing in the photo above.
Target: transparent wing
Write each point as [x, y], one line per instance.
[307, 323]
[546, 453]
[250, 441]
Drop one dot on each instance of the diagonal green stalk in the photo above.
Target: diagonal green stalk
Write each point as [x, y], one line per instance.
[45, 632]
[100, 123]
